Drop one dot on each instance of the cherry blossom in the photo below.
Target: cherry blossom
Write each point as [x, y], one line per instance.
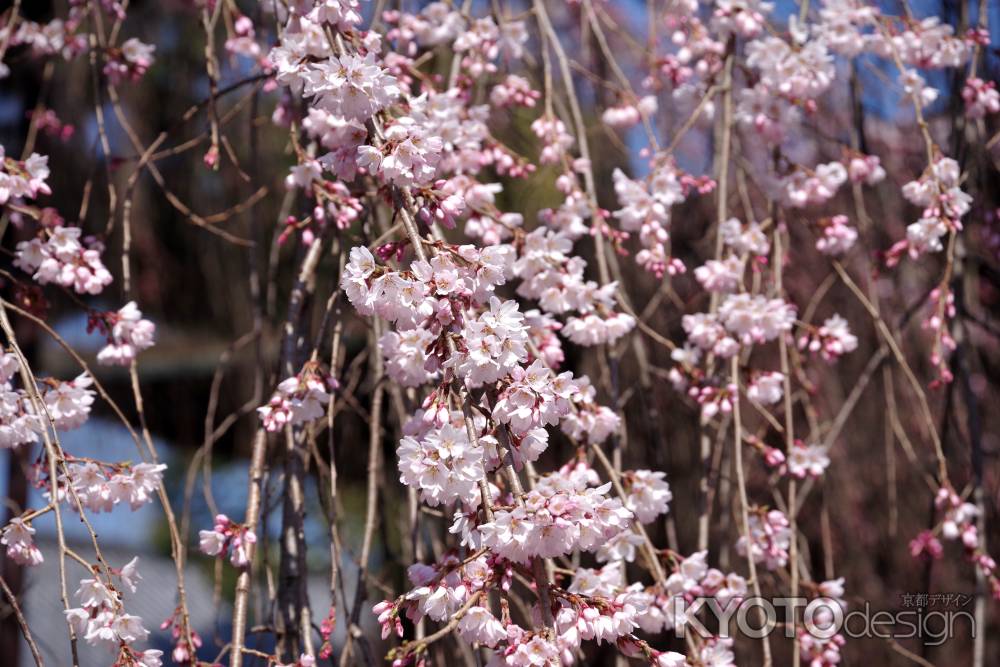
[866, 169]
[767, 388]
[831, 340]
[19, 423]
[68, 403]
[558, 516]
[60, 256]
[479, 625]
[23, 180]
[981, 98]
[101, 620]
[443, 465]
[769, 538]
[128, 333]
[807, 460]
[838, 236]
[99, 487]
[502, 334]
[648, 494]
[21, 548]
[755, 318]
[129, 62]
[298, 400]
[227, 536]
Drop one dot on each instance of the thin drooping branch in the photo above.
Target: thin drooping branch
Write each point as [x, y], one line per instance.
[789, 431]
[741, 486]
[242, 594]
[721, 163]
[54, 458]
[900, 358]
[22, 623]
[376, 373]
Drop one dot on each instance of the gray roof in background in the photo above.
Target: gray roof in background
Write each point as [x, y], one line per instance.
[154, 600]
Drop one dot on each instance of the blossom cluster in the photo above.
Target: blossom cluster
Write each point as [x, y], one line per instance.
[768, 540]
[807, 460]
[101, 620]
[66, 403]
[944, 204]
[23, 179]
[649, 494]
[100, 487]
[299, 399]
[227, 536]
[127, 334]
[653, 609]
[645, 208]
[439, 590]
[62, 257]
[129, 62]
[831, 340]
[565, 512]
[17, 536]
[443, 465]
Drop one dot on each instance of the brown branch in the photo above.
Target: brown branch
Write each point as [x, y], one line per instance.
[22, 622]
